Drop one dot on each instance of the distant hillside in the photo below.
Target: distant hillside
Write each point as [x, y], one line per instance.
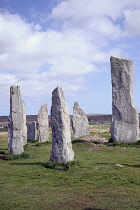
[92, 118]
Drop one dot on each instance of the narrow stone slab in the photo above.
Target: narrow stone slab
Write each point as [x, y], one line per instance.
[15, 136]
[32, 131]
[61, 135]
[24, 124]
[125, 120]
[80, 123]
[43, 124]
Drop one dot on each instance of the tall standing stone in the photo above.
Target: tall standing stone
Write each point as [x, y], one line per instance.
[61, 135]
[43, 124]
[80, 123]
[125, 121]
[32, 131]
[15, 139]
[24, 124]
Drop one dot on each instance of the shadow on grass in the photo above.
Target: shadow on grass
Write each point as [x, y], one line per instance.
[93, 209]
[135, 166]
[128, 165]
[22, 164]
[2, 153]
[79, 141]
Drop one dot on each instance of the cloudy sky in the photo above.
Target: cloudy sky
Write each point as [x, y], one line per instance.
[66, 43]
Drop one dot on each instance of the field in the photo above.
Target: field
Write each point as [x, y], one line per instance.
[93, 181]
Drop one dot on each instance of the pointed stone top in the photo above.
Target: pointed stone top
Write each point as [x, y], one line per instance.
[43, 106]
[58, 92]
[57, 89]
[76, 104]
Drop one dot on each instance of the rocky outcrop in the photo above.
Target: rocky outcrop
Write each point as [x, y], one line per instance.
[80, 124]
[43, 124]
[32, 131]
[61, 135]
[15, 136]
[125, 120]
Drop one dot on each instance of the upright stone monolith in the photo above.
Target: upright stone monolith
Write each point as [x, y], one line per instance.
[80, 123]
[61, 135]
[24, 124]
[125, 120]
[15, 127]
[32, 131]
[43, 124]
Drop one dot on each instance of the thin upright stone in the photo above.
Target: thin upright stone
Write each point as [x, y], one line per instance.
[61, 135]
[43, 124]
[15, 139]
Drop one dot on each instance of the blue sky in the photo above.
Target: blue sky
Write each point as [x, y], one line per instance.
[50, 43]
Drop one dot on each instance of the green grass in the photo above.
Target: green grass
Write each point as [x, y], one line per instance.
[92, 181]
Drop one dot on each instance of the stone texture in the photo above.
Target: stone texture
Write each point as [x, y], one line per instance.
[61, 135]
[15, 127]
[125, 120]
[80, 124]
[43, 124]
[32, 131]
[24, 124]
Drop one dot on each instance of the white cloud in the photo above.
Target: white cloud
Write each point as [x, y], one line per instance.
[90, 32]
[132, 20]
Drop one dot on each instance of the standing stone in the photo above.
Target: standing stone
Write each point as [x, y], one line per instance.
[80, 124]
[32, 131]
[43, 124]
[125, 121]
[61, 135]
[15, 127]
[24, 124]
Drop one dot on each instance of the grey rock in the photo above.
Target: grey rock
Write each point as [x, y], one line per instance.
[61, 135]
[24, 124]
[43, 124]
[125, 120]
[32, 131]
[119, 165]
[80, 123]
[15, 127]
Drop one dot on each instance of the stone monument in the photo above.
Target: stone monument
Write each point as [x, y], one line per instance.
[24, 124]
[15, 127]
[32, 131]
[125, 120]
[61, 135]
[80, 124]
[43, 124]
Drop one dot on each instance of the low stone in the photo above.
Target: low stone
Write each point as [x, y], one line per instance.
[61, 135]
[43, 124]
[32, 131]
[119, 165]
[80, 123]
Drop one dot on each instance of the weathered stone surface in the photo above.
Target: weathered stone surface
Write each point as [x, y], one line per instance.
[43, 124]
[24, 124]
[61, 136]
[125, 120]
[80, 124]
[31, 131]
[15, 139]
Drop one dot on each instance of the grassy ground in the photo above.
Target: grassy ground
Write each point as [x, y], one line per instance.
[94, 182]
